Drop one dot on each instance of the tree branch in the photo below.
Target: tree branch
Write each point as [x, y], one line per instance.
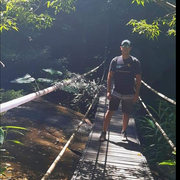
[166, 4]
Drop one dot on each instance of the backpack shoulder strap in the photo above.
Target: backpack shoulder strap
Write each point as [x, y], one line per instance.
[133, 58]
[113, 63]
[120, 60]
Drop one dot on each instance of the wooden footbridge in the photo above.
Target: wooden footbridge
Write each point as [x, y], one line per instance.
[112, 159]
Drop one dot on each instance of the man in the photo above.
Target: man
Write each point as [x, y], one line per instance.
[125, 70]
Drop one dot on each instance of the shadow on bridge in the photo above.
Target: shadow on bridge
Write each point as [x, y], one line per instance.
[129, 145]
[112, 159]
[107, 171]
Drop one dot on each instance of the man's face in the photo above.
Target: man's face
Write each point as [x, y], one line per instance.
[125, 48]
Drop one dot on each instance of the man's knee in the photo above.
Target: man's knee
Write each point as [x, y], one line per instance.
[110, 112]
[126, 115]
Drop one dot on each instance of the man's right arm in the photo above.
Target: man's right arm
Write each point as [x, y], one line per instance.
[109, 84]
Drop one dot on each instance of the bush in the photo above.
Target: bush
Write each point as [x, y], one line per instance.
[10, 94]
[156, 149]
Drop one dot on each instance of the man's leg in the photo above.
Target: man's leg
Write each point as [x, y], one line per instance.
[125, 124]
[107, 119]
[106, 122]
[127, 106]
[125, 121]
[113, 105]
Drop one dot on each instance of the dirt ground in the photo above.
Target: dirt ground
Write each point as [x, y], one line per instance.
[49, 126]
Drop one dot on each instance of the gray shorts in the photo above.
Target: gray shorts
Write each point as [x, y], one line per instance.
[126, 100]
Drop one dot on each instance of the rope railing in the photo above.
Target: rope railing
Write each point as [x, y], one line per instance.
[19, 101]
[22, 100]
[158, 126]
[51, 168]
[154, 120]
[159, 94]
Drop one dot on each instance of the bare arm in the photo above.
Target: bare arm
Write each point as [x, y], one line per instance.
[137, 87]
[109, 84]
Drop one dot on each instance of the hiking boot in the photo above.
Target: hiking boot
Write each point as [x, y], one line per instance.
[123, 134]
[102, 137]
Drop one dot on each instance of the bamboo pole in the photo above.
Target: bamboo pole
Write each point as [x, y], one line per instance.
[51, 168]
[53, 165]
[158, 126]
[159, 94]
[22, 100]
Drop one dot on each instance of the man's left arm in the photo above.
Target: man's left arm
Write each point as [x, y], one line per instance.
[137, 87]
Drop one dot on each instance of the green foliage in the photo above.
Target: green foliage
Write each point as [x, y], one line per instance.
[25, 79]
[45, 80]
[168, 162]
[52, 77]
[83, 86]
[2, 170]
[29, 79]
[1, 136]
[152, 31]
[84, 91]
[17, 12]
[4, 131]
[59, 5]
[52, 71]
[156, 148]
[22, 12]
[141, 2]
[172, 25]
[10, 94]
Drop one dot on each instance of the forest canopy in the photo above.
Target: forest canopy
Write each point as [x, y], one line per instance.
[29, 12]
[59, 34]
[154, 29]
[38, 14]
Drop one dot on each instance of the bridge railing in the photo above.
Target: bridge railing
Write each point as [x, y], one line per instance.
[27, 98]
[19, 101]
[159, 94]
[51, 168]
[151, 116]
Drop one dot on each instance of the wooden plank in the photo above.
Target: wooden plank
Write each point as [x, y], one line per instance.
[101, 171]
[112, 159]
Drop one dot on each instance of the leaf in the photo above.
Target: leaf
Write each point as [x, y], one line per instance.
[16, 131]
[168, 162]
[45, 80]
[14, 127]
[1, 136]
[151, 31]
[16, 142]
[53, 72]
[26, 79]
[48, 4]
[2, 170]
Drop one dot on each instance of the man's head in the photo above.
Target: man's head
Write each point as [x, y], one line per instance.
[125, 46]
[126, 42]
